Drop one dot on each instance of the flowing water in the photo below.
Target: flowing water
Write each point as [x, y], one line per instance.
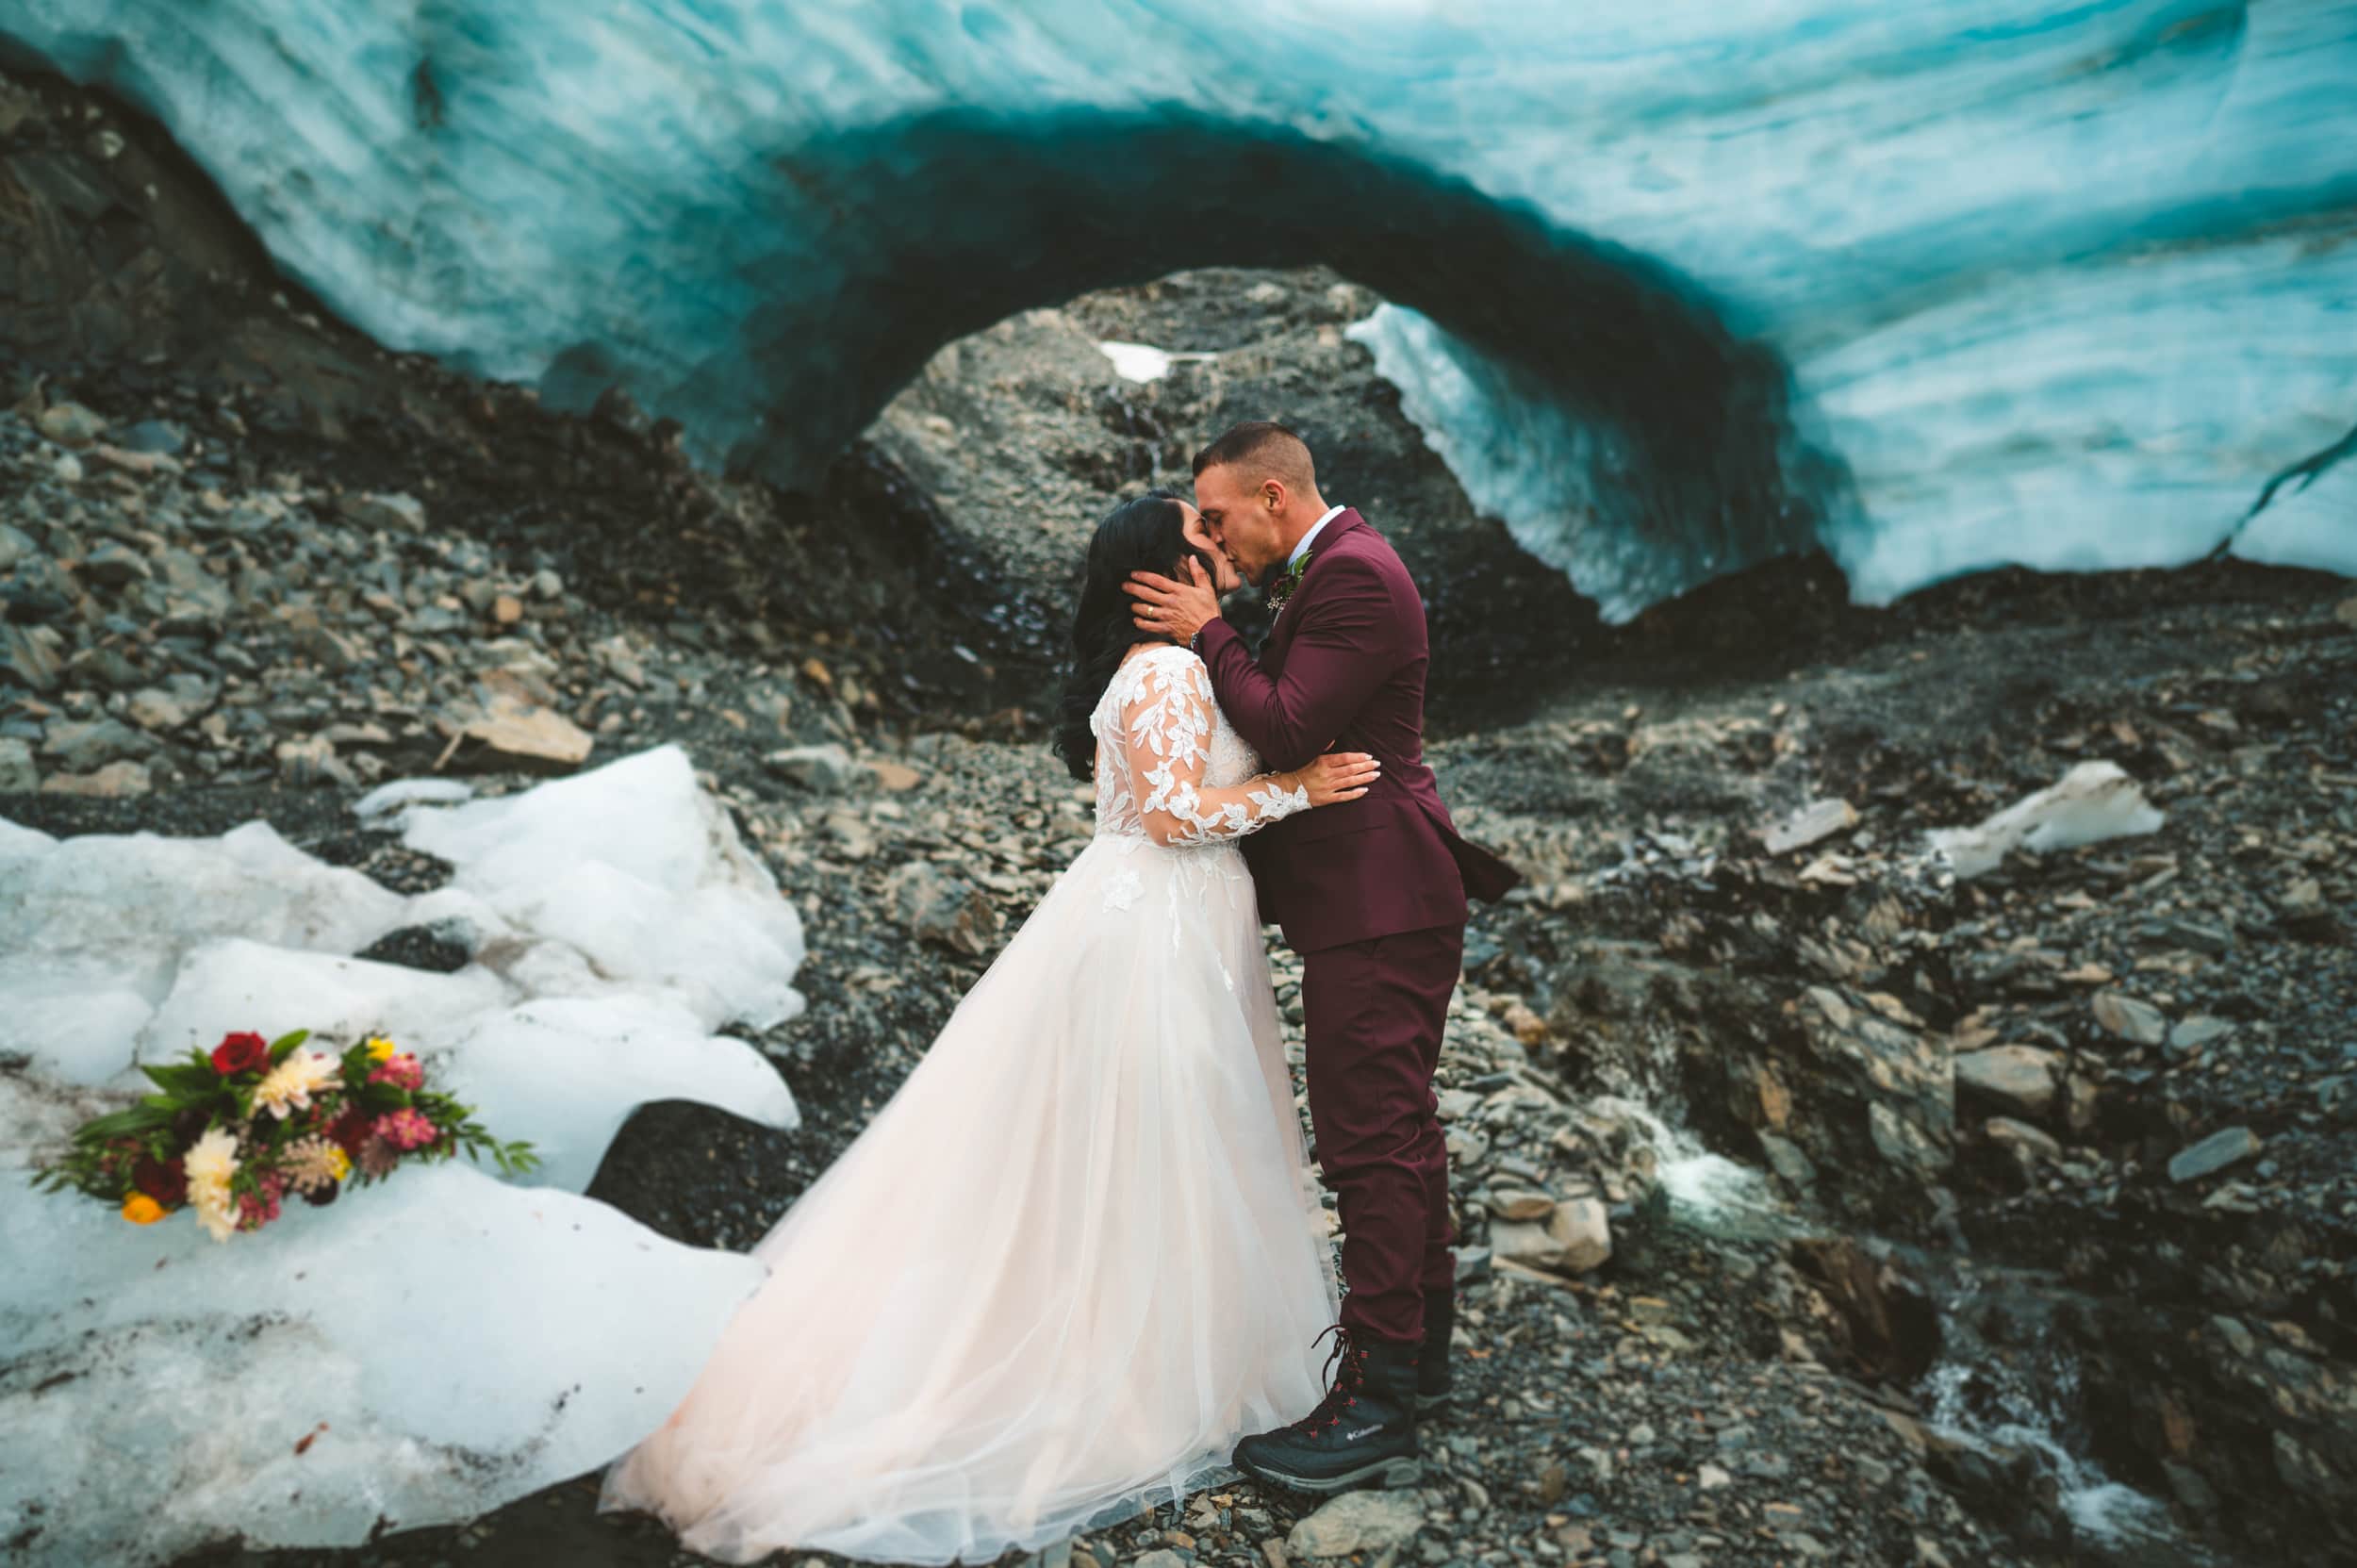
[2021, 1399]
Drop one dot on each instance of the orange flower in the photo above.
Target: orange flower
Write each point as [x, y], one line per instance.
[139, 1209]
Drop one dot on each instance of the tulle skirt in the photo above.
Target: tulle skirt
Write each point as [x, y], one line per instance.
[1063, 1270]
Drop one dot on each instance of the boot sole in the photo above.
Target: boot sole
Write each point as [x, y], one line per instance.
[1431, 1404]
[1383, 1473]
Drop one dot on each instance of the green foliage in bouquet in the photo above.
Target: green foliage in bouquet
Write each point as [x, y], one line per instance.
[230, 1131]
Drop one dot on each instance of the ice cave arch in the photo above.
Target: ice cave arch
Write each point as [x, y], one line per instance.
[1677, 434]
[1680, 286]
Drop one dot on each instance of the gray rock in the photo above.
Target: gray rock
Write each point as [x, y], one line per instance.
[182, 698]
[81, 745]
[31, 655]
[939, 908]
[826, 768]
[311, 760]
[1359, 1522]
[1817, 820]
[399, 513]
[2019, 1078]
[2029, 1147]
[1857, 1052]
[1788, 1159]
[70, 424]
[2125, 1017]
[111, 565]
[15, 545]
[512, 732]
[117, 780]
[2212, 1154]
[2188, 1035]
[161, 436]
[2191, 934]
[1575, 1237]
[17, 770]
[1514, 1204]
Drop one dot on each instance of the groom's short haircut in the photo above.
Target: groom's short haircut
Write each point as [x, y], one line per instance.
[1263, 449]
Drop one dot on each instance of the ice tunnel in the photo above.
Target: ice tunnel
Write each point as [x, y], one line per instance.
[1677, 287]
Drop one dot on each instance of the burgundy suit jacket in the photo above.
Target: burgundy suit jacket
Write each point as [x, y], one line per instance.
[1343, 669]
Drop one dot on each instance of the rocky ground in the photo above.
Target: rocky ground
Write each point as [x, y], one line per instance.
[2079, 1129]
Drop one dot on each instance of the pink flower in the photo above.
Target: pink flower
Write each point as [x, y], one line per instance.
[407, 1129]
[257, 1209]
[403, 1071]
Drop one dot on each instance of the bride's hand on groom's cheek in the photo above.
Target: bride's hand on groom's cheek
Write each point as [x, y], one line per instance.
[1166, 607]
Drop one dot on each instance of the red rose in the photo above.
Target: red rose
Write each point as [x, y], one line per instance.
[242, 1053]
[165, 1180]
[351, 1130]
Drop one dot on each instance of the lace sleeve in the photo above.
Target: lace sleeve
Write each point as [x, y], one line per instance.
[1165, 734]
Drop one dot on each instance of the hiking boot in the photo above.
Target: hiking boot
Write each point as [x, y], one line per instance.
[1362, 1432]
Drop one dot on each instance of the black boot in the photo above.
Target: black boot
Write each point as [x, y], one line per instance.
[1363, 1431]
[1432, 1375]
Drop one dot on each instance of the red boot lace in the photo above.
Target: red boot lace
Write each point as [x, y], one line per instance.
[1341, 1381]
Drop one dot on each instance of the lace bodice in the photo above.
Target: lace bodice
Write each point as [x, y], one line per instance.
[1169, 766]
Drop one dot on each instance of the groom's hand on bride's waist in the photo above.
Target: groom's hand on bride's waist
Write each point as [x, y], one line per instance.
[1165, 607]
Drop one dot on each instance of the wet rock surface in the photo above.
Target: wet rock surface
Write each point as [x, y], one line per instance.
[2076, 1136]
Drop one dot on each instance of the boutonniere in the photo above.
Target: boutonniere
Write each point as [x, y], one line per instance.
[1283, 589]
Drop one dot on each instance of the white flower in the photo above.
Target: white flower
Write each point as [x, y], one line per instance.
[211, 1160]
[215, 1211]
[212, 1157]
[291, 1084]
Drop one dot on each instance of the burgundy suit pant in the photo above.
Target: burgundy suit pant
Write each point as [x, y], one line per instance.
[1374, 1012]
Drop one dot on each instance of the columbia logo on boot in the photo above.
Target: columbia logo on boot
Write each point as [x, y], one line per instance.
[1353, 1437]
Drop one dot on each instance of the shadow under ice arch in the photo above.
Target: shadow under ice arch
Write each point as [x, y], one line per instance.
[868, 251]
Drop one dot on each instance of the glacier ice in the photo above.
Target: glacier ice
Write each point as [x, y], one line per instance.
[420, 1352]
[429, 1334]
[1678, 286]
[2094, 802]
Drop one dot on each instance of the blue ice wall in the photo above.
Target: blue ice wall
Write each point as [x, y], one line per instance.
[1680, 283]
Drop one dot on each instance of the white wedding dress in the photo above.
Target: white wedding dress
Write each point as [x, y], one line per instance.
[1078, 1254]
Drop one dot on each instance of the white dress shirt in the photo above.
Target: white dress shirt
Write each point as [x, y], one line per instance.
[1303, 548]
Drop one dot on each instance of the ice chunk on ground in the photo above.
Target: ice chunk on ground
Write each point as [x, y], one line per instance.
[1143, 361]
[141, 900]
[440, 1346]
[387, 799]
[565, 1073]
[2094, 802]
[447, 1341]
[641, 872]
[239, 984]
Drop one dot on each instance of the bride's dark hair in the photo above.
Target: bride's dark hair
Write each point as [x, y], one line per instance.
[1144, 534]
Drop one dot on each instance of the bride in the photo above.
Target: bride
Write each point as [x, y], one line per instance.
[1076, 1256]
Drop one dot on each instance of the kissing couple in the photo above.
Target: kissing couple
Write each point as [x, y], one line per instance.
[1077, 1264]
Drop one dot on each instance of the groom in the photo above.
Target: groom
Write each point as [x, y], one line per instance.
[1372, 893]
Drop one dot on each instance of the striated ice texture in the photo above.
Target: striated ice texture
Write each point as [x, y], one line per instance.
[418, 1353]
[449, 1340]
[1678, 285]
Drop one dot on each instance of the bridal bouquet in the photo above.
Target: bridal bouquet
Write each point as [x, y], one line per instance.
[235, 1130]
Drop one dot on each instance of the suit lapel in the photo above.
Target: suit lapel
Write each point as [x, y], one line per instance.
[1280, 635]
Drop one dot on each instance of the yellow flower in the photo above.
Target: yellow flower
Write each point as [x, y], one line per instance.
[139, 1209]
[379, 1048]
[340, 1161]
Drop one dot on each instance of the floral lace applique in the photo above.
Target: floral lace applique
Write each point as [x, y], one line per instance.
[1160, 737]
[1123, 889]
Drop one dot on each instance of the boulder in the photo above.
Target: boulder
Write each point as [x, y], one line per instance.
[2020, 1079]
[1368, 1521]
